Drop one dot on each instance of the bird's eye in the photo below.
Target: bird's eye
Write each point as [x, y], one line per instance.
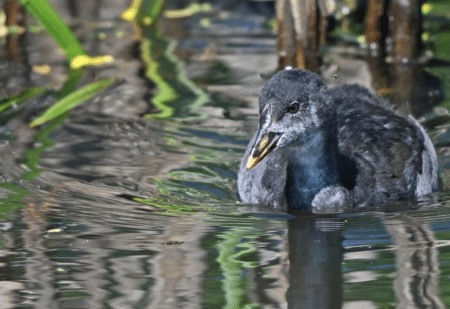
[293, 108]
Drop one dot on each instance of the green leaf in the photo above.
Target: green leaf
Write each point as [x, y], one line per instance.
[21, 96]
[55, 26]
[72, 100]
[73, 77]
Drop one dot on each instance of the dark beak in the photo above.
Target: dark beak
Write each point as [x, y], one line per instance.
[262, 147]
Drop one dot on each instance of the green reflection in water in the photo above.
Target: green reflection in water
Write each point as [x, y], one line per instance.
[237, 255]
[369, 276]
[439, 219]
[177, 96]
[205, 173]
[237, 246]
[14, 200]
[444, 260]
[168, 206]
[378, 289]
[31, 158]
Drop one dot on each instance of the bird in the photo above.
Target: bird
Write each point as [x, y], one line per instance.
[321, 149]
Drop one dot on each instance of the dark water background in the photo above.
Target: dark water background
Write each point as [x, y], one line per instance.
[106, 208]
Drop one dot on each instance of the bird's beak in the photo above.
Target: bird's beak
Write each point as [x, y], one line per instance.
[264, 144]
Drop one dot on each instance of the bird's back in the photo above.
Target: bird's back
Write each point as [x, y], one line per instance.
[393, 157]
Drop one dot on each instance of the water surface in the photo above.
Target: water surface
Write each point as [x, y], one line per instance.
[109, 209]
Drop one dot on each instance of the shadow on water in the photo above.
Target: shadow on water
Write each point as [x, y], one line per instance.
[105, 207]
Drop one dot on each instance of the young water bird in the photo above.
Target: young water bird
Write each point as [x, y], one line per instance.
[320, 149]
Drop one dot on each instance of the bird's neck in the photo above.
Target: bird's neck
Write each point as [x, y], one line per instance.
[311, 167]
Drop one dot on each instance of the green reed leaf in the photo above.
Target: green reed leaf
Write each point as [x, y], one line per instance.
[72, 100]
[55, 26]
[21, 96]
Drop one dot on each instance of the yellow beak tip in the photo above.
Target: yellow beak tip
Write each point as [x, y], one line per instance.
[251, 162]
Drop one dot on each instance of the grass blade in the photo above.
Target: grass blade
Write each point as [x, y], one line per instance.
[72, 100]
[22, 96]
[55, 26]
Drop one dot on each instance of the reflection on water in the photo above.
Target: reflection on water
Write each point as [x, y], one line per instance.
[416, 261]
[315, 257]
[113, 210]
[86, 251]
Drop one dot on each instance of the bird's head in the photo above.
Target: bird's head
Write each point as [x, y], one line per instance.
[292, 106]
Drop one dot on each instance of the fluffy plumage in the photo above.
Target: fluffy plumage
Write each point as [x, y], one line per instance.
[325, 149]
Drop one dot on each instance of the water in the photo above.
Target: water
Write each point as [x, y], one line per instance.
[108, 209]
